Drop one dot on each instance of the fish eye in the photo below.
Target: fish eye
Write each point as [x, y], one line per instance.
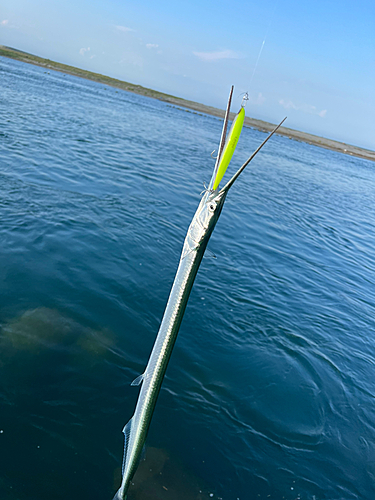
[212, 206]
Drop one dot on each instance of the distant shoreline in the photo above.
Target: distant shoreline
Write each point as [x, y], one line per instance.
[340, 147]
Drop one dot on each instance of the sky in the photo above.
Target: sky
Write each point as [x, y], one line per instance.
[313, 61]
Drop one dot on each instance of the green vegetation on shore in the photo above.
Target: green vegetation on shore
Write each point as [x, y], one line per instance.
[71, 70]
[177, 101]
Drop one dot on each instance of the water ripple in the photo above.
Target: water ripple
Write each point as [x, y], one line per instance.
[271, 383]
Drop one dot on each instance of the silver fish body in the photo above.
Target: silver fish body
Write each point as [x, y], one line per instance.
[196, 240]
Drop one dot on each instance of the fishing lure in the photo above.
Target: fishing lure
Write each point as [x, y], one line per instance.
[196, 240]
[230, 144]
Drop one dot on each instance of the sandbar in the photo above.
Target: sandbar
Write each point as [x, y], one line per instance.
[292, 134]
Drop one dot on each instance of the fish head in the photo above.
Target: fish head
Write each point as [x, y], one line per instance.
[204, 221]
[210, 208]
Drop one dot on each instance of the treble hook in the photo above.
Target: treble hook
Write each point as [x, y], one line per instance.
[205, 190]
[214, 157]
[244, 99]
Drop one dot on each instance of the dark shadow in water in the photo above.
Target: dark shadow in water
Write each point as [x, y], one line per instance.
[163, 477]
[58, 413]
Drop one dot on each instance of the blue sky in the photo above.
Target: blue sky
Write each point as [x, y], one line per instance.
[317, 65]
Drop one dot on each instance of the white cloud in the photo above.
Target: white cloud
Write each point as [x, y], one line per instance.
[152, 45]
[287, 104]
[83, 51]
[258, 100]
[124, 29]
[305, 108]
[9, 24]
[215, 56]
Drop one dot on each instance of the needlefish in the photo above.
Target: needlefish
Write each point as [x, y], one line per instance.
[197, 237]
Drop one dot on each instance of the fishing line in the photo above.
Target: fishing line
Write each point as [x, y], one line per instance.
[256, 64]
[264, 41]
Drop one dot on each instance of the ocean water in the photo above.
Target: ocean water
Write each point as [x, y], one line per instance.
[270, 388]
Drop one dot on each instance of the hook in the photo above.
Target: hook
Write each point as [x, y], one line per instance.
[244, 99]
[206, 189]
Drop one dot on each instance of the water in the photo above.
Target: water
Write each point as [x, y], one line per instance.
[270, 388]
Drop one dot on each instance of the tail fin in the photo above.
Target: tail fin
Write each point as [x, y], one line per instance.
[118, 495]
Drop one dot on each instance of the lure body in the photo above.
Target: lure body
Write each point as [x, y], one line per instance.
[230, 146]
[195, 243]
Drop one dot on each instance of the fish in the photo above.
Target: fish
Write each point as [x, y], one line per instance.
[197, 237]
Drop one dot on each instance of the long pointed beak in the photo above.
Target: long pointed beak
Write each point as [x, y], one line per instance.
[232, 180]
[222, 139]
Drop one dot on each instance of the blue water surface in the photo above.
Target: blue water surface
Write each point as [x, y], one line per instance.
[270, 389]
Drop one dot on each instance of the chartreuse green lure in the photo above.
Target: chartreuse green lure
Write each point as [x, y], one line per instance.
[196, 240]
[230, 146]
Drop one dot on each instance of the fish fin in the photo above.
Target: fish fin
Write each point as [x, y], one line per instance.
[126, 430]
[211, 253]
[138, 380]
